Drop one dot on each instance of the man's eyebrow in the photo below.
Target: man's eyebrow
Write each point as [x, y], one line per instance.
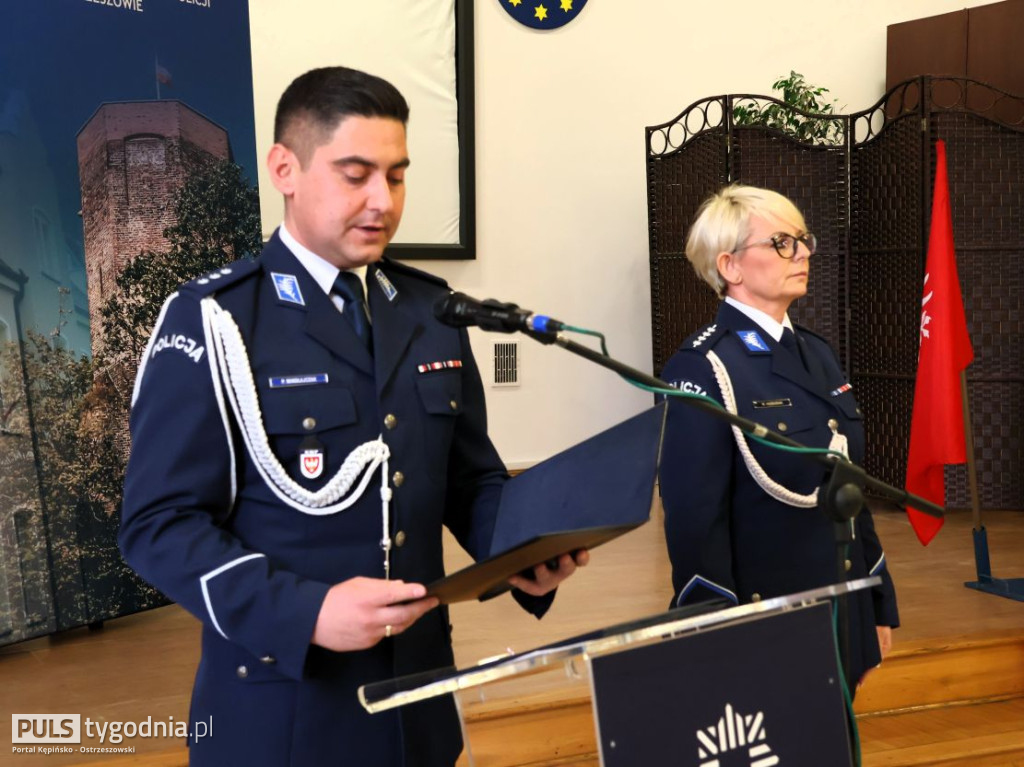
[365, 163]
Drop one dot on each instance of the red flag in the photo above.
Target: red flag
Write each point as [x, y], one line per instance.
[163, 76]
[937, 424]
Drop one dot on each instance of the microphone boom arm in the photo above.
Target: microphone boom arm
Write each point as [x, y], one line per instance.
[852, 473]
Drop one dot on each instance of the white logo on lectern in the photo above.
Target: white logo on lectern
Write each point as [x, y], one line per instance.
[735, 731]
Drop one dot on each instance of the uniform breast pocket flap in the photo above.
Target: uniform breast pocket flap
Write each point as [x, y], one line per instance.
[441, 393]
[306, 410]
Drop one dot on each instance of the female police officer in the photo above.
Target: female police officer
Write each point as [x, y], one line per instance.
[741, 519]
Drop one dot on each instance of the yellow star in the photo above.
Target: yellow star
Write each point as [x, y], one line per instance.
[540, 12]
[515, 2]
[566, 5]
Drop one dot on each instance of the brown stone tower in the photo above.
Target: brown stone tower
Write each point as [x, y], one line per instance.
[132, 159]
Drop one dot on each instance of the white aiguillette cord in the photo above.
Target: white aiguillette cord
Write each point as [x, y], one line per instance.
[769, 485]
[230, 363]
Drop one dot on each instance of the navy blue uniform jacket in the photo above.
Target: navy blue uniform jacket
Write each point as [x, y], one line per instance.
[201, 524]
[726, 536]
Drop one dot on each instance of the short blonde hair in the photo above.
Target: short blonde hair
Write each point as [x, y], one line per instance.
[723, 223]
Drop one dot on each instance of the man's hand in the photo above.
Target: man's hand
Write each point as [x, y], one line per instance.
[546, 579]
[359, 612]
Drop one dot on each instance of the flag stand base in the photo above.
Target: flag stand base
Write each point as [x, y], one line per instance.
[1011, 588]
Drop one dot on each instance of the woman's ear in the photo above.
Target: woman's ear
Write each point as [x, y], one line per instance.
[728, 267]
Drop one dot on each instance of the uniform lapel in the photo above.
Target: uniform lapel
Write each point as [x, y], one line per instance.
[323, 322]
[788, 365]
[394, 326]
[784, 363]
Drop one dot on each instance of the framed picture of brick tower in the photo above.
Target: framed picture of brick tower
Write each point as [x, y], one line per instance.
[127, 166]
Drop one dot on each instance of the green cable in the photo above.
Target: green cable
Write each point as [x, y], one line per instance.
[594, 333]
[847, 698]
[754, 437]
[677, 393]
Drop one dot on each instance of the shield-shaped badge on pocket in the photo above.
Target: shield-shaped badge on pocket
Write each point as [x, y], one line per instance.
[311, 463]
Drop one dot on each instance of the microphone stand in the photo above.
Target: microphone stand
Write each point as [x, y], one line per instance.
[843, 491]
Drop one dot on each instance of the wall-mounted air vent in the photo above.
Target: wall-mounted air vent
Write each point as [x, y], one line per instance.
[506, 364]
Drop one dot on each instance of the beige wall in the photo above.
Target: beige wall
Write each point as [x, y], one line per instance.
[561, 211]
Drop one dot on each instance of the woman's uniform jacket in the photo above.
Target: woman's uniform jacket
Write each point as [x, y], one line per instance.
[726, 535]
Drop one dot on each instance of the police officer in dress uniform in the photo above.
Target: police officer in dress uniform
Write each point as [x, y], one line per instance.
[298, 445]
[742, 519]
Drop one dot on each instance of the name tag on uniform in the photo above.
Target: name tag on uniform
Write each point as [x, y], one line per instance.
[281, 382]
[780, 402]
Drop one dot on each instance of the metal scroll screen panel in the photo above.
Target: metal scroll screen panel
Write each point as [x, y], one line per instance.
[866, 193]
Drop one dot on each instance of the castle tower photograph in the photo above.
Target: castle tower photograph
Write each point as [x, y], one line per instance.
[117, 150]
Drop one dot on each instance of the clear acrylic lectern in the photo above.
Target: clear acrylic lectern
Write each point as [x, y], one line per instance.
[759, 683]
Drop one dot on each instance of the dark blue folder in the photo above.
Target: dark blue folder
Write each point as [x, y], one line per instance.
[578, 499]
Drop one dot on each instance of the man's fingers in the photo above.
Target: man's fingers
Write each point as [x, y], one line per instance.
[400, 591]
[400, 617]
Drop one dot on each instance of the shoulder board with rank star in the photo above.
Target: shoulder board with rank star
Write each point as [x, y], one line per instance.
[210, 282]
[703, 338]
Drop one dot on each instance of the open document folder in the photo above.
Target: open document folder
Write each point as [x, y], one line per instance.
[578, 499]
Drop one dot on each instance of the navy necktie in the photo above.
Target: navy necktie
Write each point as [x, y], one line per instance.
[350, 287]
[790, 341]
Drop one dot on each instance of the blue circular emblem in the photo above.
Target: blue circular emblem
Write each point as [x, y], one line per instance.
[543, 14]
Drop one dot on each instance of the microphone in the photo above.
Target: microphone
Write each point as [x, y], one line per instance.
[460, 311]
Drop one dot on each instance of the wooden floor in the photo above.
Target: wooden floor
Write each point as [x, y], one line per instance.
[141, 666]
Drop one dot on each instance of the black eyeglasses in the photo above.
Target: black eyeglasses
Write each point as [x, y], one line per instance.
[786, 244]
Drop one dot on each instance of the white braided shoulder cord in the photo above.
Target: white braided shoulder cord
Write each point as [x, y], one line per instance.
[228, 349]
[769, 485]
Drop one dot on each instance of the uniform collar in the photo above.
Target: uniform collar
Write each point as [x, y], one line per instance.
[322, 271]
[768, 324]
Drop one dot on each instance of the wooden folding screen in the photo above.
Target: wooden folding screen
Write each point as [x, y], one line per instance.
[865, 189]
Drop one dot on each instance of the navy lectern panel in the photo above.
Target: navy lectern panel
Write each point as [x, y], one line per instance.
[757, 693]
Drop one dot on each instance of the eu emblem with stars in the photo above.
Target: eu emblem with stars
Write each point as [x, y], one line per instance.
[543, 14]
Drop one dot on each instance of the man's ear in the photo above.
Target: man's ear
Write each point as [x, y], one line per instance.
[283, 165]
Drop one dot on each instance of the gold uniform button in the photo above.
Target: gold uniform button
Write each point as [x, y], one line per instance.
[453, 405]
[268, 660]
[308, 424]
[848, 565]
[833, 423]
[242, 672]
[400, 538]
[390, 421]
[755, 597]
[397, 479]
[782, 426]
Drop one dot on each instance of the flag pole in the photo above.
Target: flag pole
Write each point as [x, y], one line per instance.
[972, 465]
[1011, 588]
